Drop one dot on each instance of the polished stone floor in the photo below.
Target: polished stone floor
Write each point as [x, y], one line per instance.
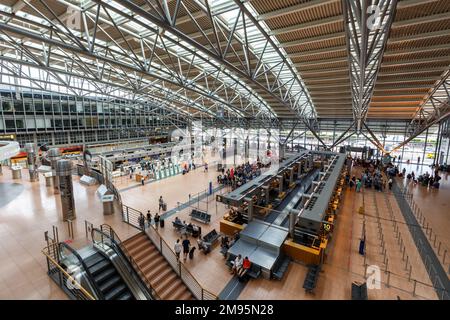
[25, 215]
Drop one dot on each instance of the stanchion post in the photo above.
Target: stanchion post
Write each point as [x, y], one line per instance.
[388, 278]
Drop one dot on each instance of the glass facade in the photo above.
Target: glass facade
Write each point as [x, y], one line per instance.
[75, 119]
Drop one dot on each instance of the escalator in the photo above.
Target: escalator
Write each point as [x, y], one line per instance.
[106, 278]
[102, 269]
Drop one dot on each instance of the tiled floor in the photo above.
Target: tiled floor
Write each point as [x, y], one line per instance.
[435, 206]
[35, 209]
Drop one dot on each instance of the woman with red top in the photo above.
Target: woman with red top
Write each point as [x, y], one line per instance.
[246, 264]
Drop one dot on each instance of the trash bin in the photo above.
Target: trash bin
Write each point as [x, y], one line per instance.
[16, 172]
[108, 204]
[161, 223]
[48, 179]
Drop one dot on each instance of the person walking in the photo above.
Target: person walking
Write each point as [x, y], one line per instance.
[186, 245]
[177, 249]
[358, 185]
[161, 203]
[149, 218]
[141, 221]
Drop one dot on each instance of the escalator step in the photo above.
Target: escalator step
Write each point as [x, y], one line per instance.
[125, 296]
[117, 291]
[99, 267]
[94, 259]
[110, 283]
[104, 275]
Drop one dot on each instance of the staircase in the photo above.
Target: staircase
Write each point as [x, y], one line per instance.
[154, 269]
[107, 279]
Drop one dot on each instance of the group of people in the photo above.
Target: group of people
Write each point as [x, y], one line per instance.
[426, 180]
[149, 220]
[235, 177]
[371, 176]
[241, 266]
[189, 229]
[184, 246]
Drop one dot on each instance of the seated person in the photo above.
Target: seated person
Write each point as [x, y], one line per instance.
[195, 231]
[178, 221]
[246, 265]
[237, 264]
[205, 246]
[225, 242]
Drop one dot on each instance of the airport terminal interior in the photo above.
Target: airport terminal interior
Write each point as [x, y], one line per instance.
[224, 149]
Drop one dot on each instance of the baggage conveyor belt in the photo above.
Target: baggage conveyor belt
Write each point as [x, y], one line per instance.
[291, 200]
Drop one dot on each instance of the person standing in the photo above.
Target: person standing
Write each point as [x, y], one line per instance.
[390, 183]
[186, 245]
[141, 221]
[177, 249]
[157, 220]
[149, 218]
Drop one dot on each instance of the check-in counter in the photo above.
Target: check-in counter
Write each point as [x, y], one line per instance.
[302, 253]
[230, 228]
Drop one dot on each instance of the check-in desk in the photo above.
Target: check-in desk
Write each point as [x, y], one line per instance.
[299, 252]
[230, 228]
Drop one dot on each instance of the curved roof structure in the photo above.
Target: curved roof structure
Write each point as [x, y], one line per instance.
[252, 59]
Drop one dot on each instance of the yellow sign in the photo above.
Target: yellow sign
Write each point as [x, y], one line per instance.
[7, 137]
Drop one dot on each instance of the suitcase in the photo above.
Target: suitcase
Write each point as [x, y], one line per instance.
[164, 206]
[191, 253]
[161, 223]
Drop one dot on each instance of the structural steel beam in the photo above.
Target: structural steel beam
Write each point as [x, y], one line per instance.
[366, 41]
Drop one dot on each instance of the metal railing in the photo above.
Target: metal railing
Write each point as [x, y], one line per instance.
[408, 284]
[63, 279]
[106, 236]
[133, 217]
[438, 245]
[188, 279]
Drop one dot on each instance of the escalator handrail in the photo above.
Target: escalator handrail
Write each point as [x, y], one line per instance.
[127, 258]
[90, 277]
